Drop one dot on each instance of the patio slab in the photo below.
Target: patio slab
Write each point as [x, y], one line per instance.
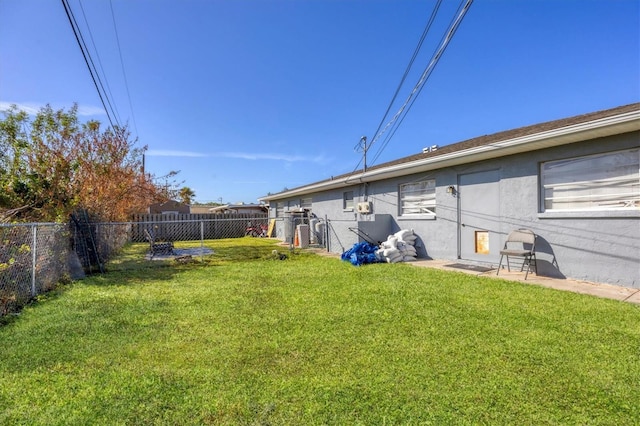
[608, 291]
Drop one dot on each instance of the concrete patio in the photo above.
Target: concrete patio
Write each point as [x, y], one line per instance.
[608, 291]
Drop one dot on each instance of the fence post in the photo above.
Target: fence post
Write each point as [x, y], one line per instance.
[201, 240]
[326, 233]
[34, 235]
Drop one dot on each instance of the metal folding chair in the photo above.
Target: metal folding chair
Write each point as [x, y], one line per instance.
[520, 243]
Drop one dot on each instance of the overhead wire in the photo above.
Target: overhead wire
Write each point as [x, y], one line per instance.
[95, 49]
[90, 65]
[427, 27]
[395, 128]
[398, 118]
[124, 74]
[416, 51]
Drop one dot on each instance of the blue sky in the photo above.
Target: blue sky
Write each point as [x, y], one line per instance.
[249, 97]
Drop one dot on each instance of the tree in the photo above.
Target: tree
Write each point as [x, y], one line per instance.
[186, 194]
[52, 165]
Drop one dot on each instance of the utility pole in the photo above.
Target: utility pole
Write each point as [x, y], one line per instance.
[363, 146]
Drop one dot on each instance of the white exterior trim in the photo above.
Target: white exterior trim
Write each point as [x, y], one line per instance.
[616, 124]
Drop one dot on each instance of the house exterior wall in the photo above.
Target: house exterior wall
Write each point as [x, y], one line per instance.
[593, 246]
[199, 209]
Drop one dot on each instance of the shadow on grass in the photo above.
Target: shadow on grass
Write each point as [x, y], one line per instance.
[132, 265]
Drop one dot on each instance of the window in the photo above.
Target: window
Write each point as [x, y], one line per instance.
[347, 200]
[279, 208]
[418, 198]
[597, 182]
[305, 203]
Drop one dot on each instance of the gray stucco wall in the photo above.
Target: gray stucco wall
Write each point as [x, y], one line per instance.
[592, 246]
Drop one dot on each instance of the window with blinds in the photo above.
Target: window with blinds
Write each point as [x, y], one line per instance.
[418, 198]
[597, 182]
[306, 203]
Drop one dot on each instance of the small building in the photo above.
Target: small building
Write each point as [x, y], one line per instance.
[201, 208]
[170, 207]
[575, 182]
[240, 208]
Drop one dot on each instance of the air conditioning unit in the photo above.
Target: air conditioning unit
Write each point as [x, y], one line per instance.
[364, 208]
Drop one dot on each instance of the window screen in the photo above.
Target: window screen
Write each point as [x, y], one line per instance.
[418, 198]
[597, 182]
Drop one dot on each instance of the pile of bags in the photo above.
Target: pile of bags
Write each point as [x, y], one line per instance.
[399, 247]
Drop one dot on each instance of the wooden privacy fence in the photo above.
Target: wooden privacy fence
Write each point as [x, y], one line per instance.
[191, 227]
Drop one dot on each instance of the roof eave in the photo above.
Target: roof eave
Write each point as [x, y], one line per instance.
[608, 126]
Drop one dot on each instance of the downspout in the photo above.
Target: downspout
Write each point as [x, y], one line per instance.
[458, 219]
[364, 168]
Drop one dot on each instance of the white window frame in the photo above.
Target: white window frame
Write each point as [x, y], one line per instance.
[347, 201]
[607, 182]
[306, 203]
[417, 199]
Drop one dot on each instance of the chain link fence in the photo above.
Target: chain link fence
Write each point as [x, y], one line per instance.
[35, 257]
[92, 244]
[203, 229]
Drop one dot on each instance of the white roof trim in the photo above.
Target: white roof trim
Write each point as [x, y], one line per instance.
[617, 124]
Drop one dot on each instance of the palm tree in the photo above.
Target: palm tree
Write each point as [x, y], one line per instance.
[186, 194]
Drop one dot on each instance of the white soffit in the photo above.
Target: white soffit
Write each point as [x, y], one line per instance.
[618, 124]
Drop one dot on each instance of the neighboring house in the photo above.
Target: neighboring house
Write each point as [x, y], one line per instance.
[170, 207]
[575, 182]
[200, 209]
[241, 208]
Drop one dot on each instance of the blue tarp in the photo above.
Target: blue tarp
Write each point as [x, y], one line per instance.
[361, 253]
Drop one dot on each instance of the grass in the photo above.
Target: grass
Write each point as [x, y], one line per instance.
[242, 338]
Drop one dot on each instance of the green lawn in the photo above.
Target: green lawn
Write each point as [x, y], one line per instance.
[242, 338]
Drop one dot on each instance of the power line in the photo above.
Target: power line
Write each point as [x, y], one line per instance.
[133, 117]
[404, 109]
[95, 49]
[359, 146]
[90, 65]
[434, 12]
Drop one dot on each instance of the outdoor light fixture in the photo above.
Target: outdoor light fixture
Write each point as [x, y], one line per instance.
[451, 189]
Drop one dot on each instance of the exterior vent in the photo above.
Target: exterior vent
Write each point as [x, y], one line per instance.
[364, 208]
[429, 149]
